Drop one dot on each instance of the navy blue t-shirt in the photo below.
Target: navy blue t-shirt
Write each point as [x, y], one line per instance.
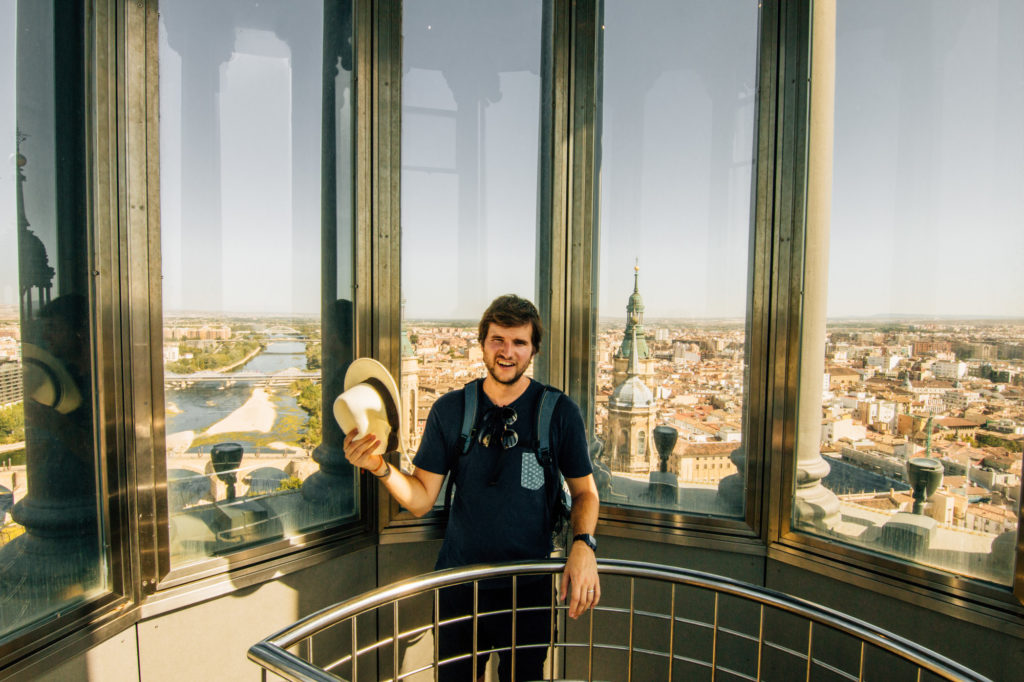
[499, 509]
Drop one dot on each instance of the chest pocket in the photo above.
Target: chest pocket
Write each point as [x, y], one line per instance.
[532, 474]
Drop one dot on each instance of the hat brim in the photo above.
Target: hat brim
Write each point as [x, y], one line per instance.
[363, 370]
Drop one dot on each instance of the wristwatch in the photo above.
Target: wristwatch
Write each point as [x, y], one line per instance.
[387, 470]
[587, 539]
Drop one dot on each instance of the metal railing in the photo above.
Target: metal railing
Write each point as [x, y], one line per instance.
[744, 632]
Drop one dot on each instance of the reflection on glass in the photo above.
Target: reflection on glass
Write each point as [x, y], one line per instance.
[50, 539]
[922, 402]
[470, 116]
[257, 276]
[677, 146]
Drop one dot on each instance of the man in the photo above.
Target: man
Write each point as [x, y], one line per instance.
[499, 509]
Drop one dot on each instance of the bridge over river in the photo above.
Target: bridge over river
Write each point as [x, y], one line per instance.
[282, 378]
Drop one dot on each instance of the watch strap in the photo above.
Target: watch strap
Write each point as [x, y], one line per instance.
[587, 539]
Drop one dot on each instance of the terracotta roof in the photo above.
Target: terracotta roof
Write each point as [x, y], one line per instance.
[712, 449]
[956, 423]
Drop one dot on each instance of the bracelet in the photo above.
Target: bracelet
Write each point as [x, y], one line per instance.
[387, 470]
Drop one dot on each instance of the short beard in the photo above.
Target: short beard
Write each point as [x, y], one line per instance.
[510, 382]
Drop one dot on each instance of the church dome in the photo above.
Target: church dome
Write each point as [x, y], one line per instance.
[632, 392]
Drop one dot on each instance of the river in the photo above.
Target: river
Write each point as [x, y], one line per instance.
[200, 406]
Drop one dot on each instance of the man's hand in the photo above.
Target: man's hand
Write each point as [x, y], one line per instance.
[580, 580]
[359, 451]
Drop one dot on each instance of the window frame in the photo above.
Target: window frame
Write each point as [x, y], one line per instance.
[99, 67]
[806, 28]
[397, 524]
[775, 314]
[157, 579]
[122, 160]
[745, 532]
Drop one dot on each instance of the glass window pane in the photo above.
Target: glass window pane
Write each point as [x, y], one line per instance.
[51, 535]
[470, 155]
[922, 405]
[255, 101]
[678, 116]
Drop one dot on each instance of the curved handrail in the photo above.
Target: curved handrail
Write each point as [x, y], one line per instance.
[271, 653]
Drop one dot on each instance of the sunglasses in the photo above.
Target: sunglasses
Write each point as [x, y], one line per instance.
[495, 423]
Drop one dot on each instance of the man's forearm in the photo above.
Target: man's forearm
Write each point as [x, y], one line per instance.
[408, 491]
[585, 508]
[581, 565]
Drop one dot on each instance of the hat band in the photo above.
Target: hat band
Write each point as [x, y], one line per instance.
[390, 408]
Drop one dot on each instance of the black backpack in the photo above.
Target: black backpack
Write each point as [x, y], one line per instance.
[556, 493]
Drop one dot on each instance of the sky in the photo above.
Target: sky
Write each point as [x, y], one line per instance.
[8, 213]
[927, 212]
[240, 157]
[928, 215]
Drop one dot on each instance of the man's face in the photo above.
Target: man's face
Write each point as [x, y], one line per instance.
[508, 351]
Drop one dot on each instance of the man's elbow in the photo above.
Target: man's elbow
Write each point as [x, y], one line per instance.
[419, 511]
[586, 497]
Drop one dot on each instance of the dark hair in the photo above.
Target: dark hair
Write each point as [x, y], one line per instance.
[512, 311]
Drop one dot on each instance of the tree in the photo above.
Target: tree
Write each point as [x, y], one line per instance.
[12, 424]
[290, 483]
[313, 356]
[310, 399]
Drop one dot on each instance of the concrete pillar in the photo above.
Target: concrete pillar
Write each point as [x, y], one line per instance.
[57, 560]
[814, 504]
[330, 492]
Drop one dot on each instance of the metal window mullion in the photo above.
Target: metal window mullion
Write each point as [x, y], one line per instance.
[584, 110]
[378, 252]
[553, 184]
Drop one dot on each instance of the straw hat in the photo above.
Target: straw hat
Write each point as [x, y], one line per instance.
[371, 404]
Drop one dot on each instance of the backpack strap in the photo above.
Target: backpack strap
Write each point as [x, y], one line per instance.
[553, 482]
[465, 442]
[468, 417]
[545, 410]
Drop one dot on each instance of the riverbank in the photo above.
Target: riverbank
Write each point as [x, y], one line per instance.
[256, 414]
[259, 349]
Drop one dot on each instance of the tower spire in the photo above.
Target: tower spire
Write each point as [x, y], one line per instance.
[634, 336]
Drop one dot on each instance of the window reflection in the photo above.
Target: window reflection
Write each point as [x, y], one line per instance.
[470, 154]
[678, 105]
[922, 391]
[50, 540]
[255, 101]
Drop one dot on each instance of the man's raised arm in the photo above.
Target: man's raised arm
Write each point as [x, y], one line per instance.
[417, 493]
